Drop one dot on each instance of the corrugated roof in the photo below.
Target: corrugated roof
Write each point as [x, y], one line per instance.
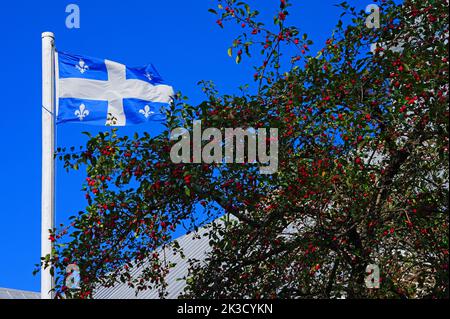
[6, 293]
[192, 248]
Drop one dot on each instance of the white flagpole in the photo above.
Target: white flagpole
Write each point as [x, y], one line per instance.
[48, 167]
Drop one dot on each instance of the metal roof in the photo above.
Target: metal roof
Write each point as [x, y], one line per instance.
[6, 293]
[193, 248]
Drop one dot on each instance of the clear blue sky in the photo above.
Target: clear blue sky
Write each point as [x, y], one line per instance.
[179, 37]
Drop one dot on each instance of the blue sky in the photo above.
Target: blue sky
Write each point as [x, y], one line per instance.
[179, 37]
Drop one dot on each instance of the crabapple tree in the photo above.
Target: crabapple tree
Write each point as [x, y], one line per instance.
[362, 176]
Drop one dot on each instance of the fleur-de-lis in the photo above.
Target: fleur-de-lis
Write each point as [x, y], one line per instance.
[146, 111]
[82, 66]
[148, 76]
[82, 112]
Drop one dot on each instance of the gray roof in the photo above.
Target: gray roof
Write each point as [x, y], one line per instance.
[6, 293]
[193, 248]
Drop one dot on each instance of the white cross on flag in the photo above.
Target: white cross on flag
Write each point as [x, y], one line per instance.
[103, 92]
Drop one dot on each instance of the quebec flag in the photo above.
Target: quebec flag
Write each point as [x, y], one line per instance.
[103, 92]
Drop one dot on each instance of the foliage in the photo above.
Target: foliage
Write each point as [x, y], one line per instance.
[362, 177]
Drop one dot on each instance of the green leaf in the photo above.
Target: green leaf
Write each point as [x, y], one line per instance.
[230, 51]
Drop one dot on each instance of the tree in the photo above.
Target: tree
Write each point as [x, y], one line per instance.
[362, 175]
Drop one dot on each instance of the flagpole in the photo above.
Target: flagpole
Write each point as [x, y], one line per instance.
[48, 167]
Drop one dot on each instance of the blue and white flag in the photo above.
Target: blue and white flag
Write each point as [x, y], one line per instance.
[102, 92]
